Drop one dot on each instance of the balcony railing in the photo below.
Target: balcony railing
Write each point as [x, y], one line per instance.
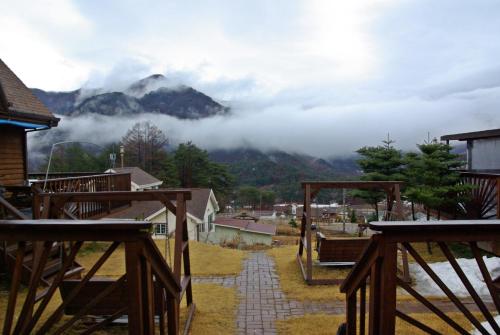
[88, 184]
[378, 267]
[150, 286]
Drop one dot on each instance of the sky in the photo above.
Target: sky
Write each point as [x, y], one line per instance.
[313, 76]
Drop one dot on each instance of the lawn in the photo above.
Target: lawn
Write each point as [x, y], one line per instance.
[293, 284]
[323, 324]
[206, 259]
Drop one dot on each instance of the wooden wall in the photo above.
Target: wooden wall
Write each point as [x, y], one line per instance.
[12, 155]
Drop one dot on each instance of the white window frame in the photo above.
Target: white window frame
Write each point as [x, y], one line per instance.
[161, 229]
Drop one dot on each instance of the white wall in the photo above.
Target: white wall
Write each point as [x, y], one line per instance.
[485, 154]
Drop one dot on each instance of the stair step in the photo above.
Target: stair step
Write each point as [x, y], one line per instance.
[73, 273]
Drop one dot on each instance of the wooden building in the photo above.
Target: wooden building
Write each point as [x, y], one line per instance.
[20, 112]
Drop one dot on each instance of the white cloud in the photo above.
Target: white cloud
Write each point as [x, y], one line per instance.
[321, 76]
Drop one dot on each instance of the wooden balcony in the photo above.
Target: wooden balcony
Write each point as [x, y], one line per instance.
[150, 287]
[378, 268]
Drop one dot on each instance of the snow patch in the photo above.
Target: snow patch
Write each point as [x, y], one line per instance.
[426, 286]
[487, 326]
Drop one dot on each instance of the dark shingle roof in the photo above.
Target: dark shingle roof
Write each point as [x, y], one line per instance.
[138, 176]
[138, 210]
[18, 102]
[143, 209]
[198, 203]
[472, 135]
[247, 225]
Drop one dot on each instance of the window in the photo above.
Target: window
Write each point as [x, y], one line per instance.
[201, 227]
[210, 222]
[160, 229]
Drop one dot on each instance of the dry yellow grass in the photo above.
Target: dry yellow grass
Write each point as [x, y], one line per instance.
[322, 324]
[293, 284]
[206, 259]
[216, 309]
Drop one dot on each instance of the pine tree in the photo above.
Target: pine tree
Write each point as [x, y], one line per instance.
[434, 179]
[380, 163]
[195, 169]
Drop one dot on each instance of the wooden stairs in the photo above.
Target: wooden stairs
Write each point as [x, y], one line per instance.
[8, 253]
[53, 265]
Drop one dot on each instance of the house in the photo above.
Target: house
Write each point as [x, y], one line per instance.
[483, 149]
[483, 171]
[201, 211]
[140, 179]
[243, 231]
[20, 112]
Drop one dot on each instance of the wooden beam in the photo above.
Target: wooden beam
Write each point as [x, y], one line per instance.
[308, 216]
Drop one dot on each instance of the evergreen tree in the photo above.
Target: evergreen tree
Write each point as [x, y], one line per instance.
[434, 179]
[380, 163]
[353, 218]
[249, 196]
[195, 169]
[73, 158]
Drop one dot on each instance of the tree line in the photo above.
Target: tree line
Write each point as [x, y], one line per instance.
[430, 175]
[145, 146]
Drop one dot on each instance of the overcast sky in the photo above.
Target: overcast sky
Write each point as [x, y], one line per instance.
[323, 77]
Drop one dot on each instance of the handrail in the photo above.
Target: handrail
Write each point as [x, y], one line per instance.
[379, 264]
[41, 181]
[11, 209]
[161, 268]
[361, 269]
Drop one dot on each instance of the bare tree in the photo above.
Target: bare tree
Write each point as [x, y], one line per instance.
[145, 147]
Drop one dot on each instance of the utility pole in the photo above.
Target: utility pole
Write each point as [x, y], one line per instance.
[122, 153]
[343, 210]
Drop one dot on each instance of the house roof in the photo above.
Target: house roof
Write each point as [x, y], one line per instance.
[138, 176]
[144, 209]
[17, 102]
[472, 135]
[138, 210]
[247, 225]
[199, 201]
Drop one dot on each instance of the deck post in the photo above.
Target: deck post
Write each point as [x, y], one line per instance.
[498, 198]
[307, 210]
[134, 274]
[388, 277]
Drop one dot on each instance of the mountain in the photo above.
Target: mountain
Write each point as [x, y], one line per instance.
[61, 103]
[153, 94]
[115, 103]
[282, 171]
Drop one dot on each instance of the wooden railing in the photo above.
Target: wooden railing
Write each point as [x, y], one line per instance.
[484, 199]
[58, 175]
[148, 287]
[93, 183]
[378, 268]
[89, 184]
